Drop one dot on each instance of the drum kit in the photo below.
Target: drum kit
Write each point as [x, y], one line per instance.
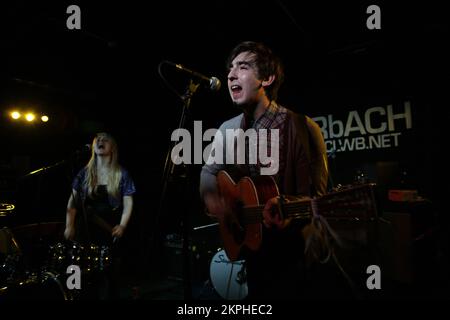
[34, 259]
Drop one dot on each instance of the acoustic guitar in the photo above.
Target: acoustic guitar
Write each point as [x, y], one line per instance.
[241, 226]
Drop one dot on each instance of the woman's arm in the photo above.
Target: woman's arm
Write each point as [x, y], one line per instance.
[71, 212]
[119, 229]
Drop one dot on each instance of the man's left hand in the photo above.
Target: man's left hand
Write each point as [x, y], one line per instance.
[272, 216]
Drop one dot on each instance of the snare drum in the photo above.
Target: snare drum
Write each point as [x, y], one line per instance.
[228, 277]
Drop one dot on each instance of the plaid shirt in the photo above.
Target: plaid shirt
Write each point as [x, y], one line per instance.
[273, 118]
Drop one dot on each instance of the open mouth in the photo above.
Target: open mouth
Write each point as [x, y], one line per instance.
[236, 89]
[100, 146]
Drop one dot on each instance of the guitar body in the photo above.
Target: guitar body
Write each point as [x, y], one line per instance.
[236, 229]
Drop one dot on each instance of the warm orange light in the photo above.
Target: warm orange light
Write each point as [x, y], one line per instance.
[15, 115]
[44, 118]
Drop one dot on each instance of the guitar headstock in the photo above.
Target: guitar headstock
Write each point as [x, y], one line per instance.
[352, 202]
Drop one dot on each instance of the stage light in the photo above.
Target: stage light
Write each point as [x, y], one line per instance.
[15, 115]
[29, 117]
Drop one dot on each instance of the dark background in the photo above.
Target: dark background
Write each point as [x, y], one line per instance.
[104, 77]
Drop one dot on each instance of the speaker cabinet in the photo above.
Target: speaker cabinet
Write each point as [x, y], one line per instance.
[408, 243]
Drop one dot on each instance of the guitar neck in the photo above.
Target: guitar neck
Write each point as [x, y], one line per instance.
[356, 202]
[295, 210]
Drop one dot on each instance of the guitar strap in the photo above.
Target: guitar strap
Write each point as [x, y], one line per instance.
[304, 137]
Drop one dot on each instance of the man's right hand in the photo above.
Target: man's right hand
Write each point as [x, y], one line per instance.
[215, 205]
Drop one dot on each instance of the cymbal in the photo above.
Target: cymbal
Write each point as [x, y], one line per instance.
[6, 208]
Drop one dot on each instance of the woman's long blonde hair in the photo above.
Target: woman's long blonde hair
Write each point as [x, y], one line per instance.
[115, 174]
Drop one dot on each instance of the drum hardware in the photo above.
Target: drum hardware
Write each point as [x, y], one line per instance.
[8, 243]
[90, 257]
[36, 286]
[205, 226]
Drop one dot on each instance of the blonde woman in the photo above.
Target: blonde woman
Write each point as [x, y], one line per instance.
[102, 192]
[99, 210]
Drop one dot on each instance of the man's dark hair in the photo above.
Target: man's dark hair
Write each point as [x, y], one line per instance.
[267, 64]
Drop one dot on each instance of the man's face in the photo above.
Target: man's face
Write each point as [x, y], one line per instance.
[244, 85]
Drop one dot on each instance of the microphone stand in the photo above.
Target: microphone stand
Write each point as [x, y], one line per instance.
[168, 175]
[44, 169]
[39, 173]
[55, 165]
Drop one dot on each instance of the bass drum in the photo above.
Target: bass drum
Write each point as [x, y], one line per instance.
[228, 278]
[45, 286]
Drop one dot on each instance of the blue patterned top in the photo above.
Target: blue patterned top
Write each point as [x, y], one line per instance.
[126, 187]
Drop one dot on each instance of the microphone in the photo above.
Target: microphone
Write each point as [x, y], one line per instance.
[213, 83]
[83, 149]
